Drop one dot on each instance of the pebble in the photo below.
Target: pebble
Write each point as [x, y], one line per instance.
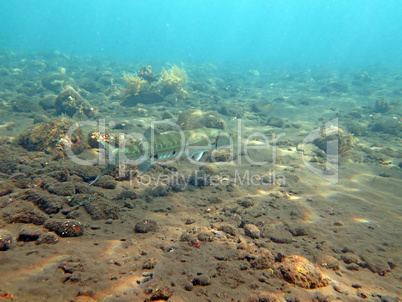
[146, 226]
[201, 280]
[228, 229]
[5, 240]
[252, 231]
[29, 233]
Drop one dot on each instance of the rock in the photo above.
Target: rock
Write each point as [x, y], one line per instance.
[276, 122]
[232, 110]
[5, 240]
[252, 231]
[70, 102]
[228, 229]
[100, 208]
[20, 213]
[263, 261]
[332, 133]
[161, 293]
[149, 264]
[381, 105]
[65, 227]
[261, 107]
[40, 118]
[195, 118]
[52, 136]
[29, 233]
[188, 287]
[106, 182]
[349, 258]
[47, 238]
[298, 231]
[89, 85]
[48, 203]
[199, 179]
[146, 226]
[301, 272]
[327, 262]
[48, 102]
[55, 81]
[201, 280]
[206, 236]
[167, 115]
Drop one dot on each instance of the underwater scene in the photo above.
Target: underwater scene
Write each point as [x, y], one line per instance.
[202, 150]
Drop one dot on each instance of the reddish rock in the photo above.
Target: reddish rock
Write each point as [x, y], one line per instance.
[301, 272]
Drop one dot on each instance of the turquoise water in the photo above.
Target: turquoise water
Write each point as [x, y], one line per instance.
[314, 31]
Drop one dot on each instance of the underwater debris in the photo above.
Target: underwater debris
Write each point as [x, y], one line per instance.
[70, 102]
[52, 137]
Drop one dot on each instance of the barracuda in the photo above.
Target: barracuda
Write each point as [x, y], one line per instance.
[158, 148]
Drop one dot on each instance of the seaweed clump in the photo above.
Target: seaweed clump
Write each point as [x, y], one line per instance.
[148, 88]
[174, 80]
[135, 84]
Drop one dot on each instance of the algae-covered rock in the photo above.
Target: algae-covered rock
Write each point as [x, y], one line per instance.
[56, 81]
[195, 118]
[299, 271]
[329, 135]
[381, 105]
[53, 136]
[71, 102]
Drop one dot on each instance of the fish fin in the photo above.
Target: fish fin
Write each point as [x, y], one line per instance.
[148, 133]
[108, 168]
[144, 166]
[197, 156]
[109, 149]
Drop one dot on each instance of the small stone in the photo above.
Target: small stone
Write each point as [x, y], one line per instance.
[146, 226]
[352, 267]
[206, 236]
[301, 272]
[29, 233]
[161, 293]
[298, 231]
[201, 280]
[228, 229]
[338, 223]
[5, 240]
[252, 231]
[149, 264]
[188, 287]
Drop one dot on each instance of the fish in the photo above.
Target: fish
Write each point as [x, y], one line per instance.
[155, 148]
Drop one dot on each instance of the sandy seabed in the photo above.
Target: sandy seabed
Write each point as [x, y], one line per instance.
[271, 232]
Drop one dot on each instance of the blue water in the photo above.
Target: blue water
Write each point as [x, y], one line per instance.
[300, 31]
